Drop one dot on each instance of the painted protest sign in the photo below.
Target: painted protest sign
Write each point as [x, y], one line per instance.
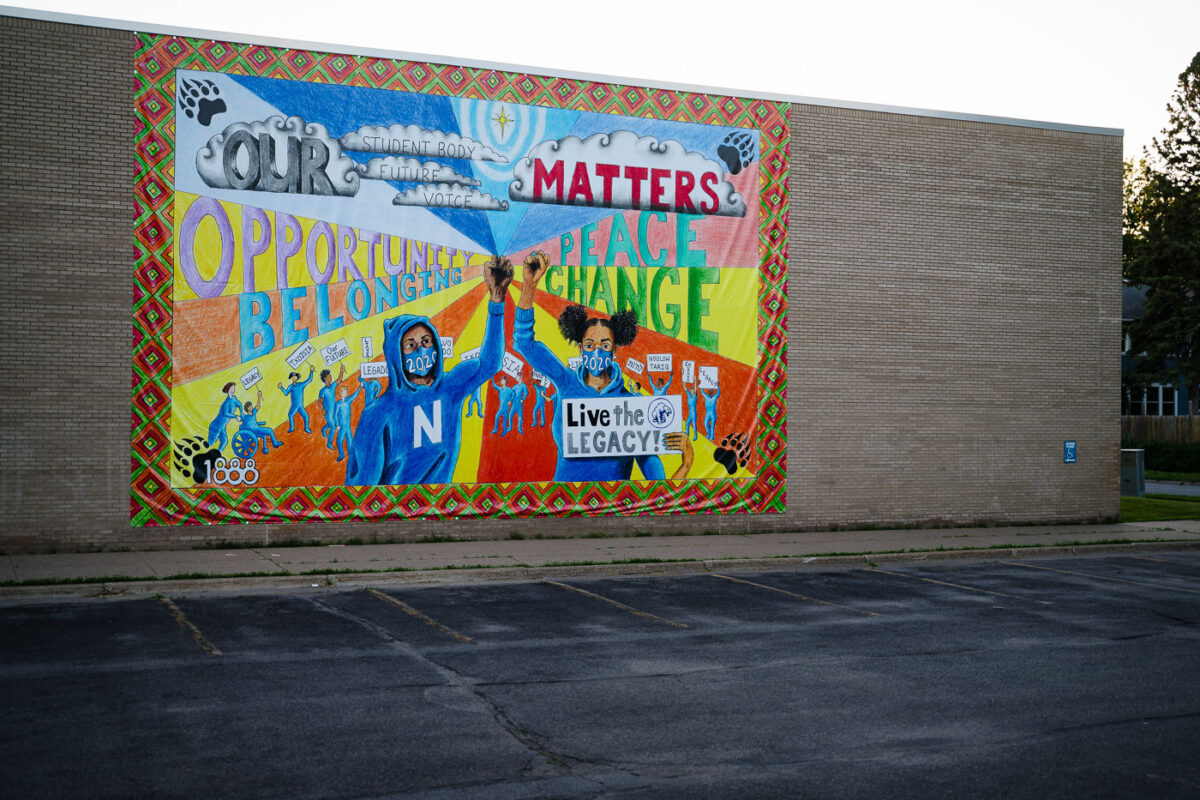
[335, 352]
[373, 369]
[300, 355]
[251, 378]
[619, 427]
[658, 362]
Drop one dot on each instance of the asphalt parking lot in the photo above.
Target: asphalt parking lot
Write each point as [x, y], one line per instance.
[1066, 677]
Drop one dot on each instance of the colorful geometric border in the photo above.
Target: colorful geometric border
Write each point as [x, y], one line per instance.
[155, 502]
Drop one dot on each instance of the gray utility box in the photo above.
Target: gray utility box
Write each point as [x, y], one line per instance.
[1133, 473]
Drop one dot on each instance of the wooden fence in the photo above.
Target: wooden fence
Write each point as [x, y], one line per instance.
[1160, 429]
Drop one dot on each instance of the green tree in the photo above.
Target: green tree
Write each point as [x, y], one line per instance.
[1162, 242]
[1179, 147]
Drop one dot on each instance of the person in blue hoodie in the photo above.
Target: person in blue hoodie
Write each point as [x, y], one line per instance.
[693, 394]
[411, 434]
[343, 432]
[230, 410]
[598, 375]
[541, 394]
[475, 401]
[328, 395]
[659, 391]
[295, 391]
[710, 411]
[504, 407]
[376, 388]
[517, 408]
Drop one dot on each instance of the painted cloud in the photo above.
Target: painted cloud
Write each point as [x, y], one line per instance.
[398, 168]
[449, 195]
[247, 156]
[623, 170]
[418, 142]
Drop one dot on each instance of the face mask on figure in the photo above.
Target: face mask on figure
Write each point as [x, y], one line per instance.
[597, 361]
[418, 352]
[598, 338]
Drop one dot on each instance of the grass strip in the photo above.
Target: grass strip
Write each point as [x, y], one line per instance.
[1182, 477]
[1156, 507]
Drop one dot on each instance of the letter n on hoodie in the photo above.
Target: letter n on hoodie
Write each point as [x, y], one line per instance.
[424, 427]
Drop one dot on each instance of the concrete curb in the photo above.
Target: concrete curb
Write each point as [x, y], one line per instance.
[134, 589]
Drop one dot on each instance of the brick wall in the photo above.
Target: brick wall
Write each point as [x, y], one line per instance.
[954, 317]
[66, 123]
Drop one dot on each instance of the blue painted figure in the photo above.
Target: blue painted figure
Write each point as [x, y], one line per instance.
[661, 390]
[328, 395]
[504, 407]
[598, 375]
[474, 401]
[517, 407]
[541, 394]
[344, 433]
[295, 392]
[376, 389]
[636, 389]
[411, 434]
[693, 427]
[710, 411]
[229, 411]
[250, 423]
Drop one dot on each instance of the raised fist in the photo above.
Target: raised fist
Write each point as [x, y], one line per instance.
[497, 276]
[536, 264]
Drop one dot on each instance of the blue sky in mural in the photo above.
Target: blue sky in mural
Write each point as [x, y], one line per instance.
[342, 109]
[509, 128]
[512, 130]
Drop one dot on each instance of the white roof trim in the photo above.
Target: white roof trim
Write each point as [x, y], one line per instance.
[115, 24]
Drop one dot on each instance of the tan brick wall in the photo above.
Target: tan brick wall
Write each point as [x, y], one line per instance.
[66, 124]
[954, 316]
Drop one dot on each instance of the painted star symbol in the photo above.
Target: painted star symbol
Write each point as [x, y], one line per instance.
[503, 119]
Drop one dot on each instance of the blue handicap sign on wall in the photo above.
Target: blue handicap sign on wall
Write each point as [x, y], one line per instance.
[1068, 452]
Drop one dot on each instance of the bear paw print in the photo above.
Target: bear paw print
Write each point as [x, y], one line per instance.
[737, 151]
[194, 458]
[201, 100]
[734, 452]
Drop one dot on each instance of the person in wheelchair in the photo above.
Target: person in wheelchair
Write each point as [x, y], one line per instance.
[251, 424]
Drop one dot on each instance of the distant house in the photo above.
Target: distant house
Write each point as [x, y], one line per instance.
[1155, 400]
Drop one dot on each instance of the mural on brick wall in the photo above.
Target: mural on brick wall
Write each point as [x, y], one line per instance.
[370, 288]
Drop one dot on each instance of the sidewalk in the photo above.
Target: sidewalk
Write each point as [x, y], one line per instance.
[272, 568]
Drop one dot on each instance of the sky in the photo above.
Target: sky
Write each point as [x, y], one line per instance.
[1099, 63]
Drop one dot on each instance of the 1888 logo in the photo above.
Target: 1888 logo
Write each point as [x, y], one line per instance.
[233, 472]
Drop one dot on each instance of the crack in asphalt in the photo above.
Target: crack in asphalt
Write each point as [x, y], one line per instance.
[1173, 618]
[537, 744]
[1105, 723]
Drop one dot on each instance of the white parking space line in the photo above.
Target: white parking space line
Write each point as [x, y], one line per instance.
[964, 587]
[412, 612]
[1192, 564]
[188, 626]
[1107, 578]
[619, 605]
[806, 598]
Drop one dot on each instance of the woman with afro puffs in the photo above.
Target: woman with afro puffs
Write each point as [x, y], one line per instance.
[597, 376]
